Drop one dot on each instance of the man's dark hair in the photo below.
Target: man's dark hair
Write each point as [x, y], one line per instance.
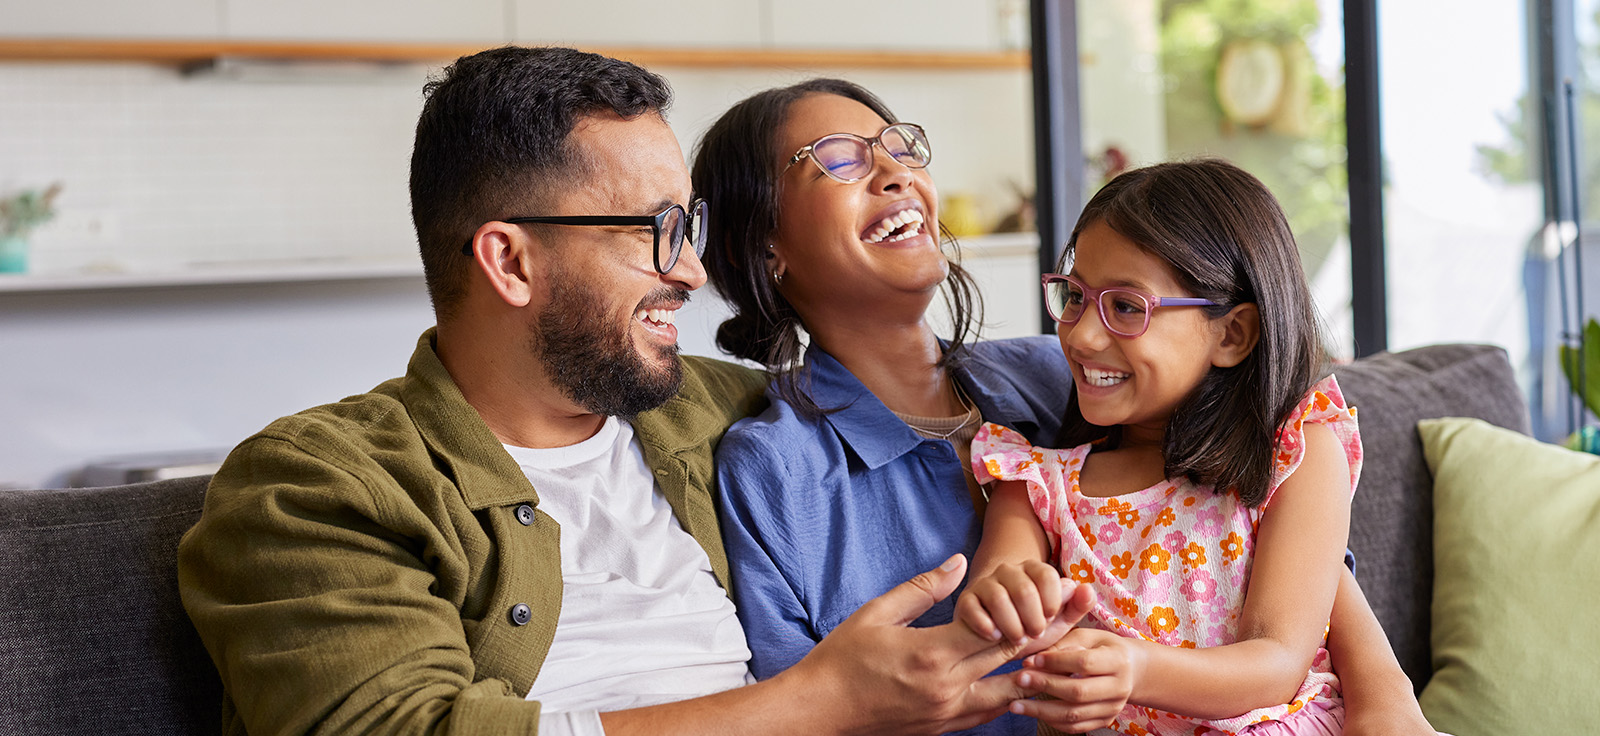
[492, 141]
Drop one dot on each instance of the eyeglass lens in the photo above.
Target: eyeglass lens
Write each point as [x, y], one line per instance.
[1126, 313]
[849, 158]
[675, 224]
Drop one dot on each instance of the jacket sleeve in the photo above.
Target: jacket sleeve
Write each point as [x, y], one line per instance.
[777, 626]
[331, 602]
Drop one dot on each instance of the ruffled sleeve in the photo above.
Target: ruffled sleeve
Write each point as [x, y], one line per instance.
[1324, 404]
[999, 453]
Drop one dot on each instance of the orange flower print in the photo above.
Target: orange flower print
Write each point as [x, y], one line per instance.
[1128, 517]
[1081, 571]
[1135, 729]
[1189, 501]
[1166, 517]
[1194, 555]
[1154, 559]
[1088, 534]
[1113, 506]
[1162, 619]
[1186, 644]
[1232, 546]
[1128, 606]
[1122, 564]
[1072, 478]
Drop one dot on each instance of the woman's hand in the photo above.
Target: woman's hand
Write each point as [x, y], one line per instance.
[1014, 601]
[1090, 674]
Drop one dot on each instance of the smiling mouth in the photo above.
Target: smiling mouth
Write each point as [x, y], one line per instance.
[1104, 379]
[907, 223]
[656, 316]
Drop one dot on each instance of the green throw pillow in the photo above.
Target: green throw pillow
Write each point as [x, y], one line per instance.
[1516, 592]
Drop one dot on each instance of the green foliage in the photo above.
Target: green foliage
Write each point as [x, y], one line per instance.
[1591, 366]
[1516, 161]
[22, 212]
[1307, 172]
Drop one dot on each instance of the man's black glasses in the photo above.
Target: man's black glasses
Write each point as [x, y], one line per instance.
[677, 223]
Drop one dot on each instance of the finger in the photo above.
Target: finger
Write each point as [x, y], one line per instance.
[1069, 717]
[910, 599]
[995, 692]
[1078, 603]
[998, 602]
[1068, 689]
[1078, 655]
[1047, 580]
[973, 720]
[970, 610]
[1044, 584]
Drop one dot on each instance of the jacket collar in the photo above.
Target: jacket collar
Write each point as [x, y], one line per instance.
[457, 435]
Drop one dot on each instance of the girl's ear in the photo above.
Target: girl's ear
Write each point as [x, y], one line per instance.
[1241, 329]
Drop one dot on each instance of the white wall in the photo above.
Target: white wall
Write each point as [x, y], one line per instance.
[163, 172]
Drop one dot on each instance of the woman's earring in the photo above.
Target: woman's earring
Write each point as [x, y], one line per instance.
[777, 278]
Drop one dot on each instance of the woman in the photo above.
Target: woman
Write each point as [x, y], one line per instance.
[855, 479]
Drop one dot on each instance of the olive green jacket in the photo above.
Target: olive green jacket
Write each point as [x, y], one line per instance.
[379, 564]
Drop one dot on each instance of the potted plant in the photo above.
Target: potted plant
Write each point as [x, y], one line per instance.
[20, 213]
[1586, 438]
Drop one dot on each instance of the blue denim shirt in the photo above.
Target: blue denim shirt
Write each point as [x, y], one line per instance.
[822, 514]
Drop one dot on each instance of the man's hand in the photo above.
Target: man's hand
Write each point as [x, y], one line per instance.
[1015, 601]
[874, 674]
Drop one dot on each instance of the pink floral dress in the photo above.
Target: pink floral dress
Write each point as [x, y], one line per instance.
[1171, 563]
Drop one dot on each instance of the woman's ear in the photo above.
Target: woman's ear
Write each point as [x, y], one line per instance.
[775, 263]
[1241, 329]
[506, 256]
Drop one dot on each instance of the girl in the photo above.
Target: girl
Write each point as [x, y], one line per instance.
[1205, 491]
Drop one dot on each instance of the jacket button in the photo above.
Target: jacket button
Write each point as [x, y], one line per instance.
[525, 514]
[521, 614]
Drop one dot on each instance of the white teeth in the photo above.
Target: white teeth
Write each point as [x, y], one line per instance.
[887, 225]
[658, 316]
[1104, 378]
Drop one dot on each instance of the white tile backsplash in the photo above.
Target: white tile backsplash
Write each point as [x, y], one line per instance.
[164, 170]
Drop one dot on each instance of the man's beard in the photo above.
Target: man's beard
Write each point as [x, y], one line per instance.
[595, 364]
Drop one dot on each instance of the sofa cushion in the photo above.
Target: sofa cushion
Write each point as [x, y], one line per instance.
[1516, 537]
[93, 637]
[1391, 522]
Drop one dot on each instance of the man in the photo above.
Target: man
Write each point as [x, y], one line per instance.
[518, 534]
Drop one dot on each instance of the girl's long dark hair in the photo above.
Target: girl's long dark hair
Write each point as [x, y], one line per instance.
[736, 172]
[1227, 240]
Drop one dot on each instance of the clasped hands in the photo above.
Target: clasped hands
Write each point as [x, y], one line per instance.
[875, 674]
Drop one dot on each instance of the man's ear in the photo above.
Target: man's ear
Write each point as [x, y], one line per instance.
[1241, 329]
[509, 258]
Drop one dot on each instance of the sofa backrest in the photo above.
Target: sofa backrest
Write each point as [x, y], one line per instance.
[93, 637]
[1391, 523]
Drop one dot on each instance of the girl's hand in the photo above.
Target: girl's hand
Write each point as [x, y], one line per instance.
[1090, 673]
[1015, 601]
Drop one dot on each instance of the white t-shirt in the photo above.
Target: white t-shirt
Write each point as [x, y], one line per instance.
[643, 621]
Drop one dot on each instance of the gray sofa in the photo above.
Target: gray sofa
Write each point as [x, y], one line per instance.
[93, 637]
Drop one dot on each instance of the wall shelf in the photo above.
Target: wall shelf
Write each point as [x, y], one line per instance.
[200, 52]
[239, 273]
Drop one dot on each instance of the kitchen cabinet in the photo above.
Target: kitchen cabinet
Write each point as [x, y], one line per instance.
[122, 19]
[642, 23]
[366, 20]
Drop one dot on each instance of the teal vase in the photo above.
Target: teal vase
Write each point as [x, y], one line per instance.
[13, 254]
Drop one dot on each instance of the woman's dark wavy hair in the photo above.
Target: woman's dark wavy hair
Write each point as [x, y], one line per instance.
[736, 168]
[1227, 240]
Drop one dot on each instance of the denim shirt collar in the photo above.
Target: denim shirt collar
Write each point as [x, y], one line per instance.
[873, 432]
